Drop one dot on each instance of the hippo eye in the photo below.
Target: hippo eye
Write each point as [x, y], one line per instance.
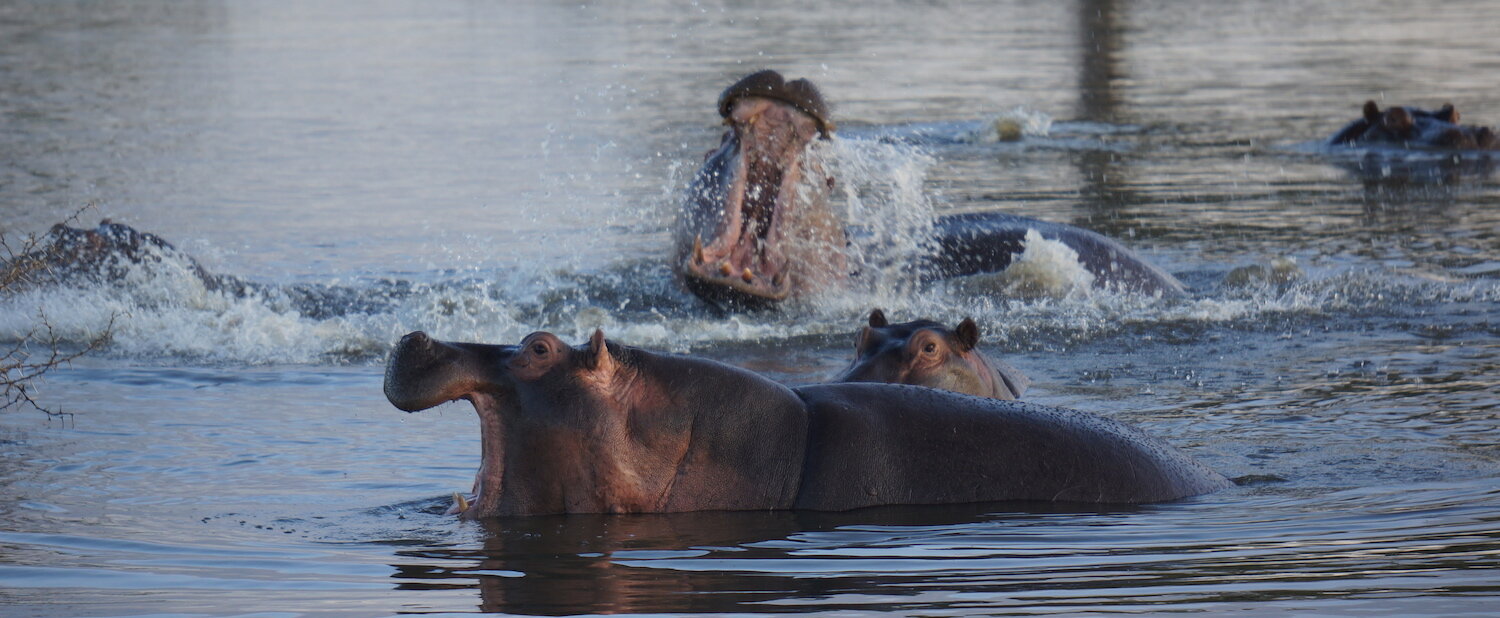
[539, 349]
[929, 348]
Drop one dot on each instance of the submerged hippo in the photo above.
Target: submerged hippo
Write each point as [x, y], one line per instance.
[605, 428]
[757, 226]
[1413, 127]
[106, 254]
[927, 353]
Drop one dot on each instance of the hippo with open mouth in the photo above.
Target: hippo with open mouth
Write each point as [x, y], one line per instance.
[605, 428]
[1415, 128]
[758, 227]
[760, 201]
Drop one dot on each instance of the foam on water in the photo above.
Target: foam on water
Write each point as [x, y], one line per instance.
[161, 307]
[1044, 269]
[162, 310]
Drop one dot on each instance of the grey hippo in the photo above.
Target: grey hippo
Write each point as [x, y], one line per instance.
[607, 428]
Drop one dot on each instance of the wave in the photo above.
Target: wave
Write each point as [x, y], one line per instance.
[166, 307]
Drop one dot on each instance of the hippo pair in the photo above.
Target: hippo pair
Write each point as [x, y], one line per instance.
[1414, 127]
[606, 428]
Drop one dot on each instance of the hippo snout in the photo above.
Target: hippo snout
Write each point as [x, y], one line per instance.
[408, 372]
[415, 341]
[423, 372]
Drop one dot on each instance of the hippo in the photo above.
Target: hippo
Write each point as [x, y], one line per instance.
[927, 353]
[106, 253]
[101, 253]
[1415, 128]
[757, 226]
[607, 428]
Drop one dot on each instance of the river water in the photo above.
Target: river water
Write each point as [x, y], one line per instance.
[484, 170]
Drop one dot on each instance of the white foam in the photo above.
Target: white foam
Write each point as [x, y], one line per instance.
[1044, 269]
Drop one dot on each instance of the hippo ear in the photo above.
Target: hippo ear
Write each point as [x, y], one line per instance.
[1447, 113]
[967, 334]
[862, 339]
[1372, 111]
[1397, 119]
[877, 319]
[598, 357]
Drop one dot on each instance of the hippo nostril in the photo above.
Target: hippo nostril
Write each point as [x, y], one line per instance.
[416, 339]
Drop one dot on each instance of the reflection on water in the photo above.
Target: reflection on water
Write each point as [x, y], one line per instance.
[482, 171]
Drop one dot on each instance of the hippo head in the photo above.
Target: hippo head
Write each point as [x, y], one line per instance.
[927, 353]
[758, 227]
[1414, 127]
[75, 247]
[102, 253]
[556, 426]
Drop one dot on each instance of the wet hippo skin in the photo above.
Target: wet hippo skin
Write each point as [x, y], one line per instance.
[758, 225]
[606, 428]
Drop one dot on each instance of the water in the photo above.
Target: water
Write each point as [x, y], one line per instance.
[481, 171]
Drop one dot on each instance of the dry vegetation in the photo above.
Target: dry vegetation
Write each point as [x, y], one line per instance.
[34, 353]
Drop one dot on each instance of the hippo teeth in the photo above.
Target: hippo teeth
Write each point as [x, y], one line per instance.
[747, 275]
[460, 504]
[698, 250]
[725, 269]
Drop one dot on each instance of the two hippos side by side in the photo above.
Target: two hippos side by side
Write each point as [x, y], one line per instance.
[606, 428]
[758, 225]
[1414, 128]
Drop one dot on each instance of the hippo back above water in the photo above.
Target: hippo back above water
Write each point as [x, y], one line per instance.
[1416, 128]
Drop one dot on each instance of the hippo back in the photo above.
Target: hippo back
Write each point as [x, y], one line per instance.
[872, 444]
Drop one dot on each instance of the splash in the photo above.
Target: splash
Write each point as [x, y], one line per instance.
[890, 216]
[1044, 269]
[162, 310]
[1011, 126]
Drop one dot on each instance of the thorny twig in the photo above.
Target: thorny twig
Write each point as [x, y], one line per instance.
[20, 368]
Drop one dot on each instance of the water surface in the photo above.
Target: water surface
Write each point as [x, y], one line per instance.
[481, 171]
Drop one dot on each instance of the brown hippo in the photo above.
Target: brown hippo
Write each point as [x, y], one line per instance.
[927, 353]
[1413, 127]
[758, 226]
[605, 428]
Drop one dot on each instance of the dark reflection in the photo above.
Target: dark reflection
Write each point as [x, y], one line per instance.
[575, 564]
[1376, 169]
[1098, 63]
[1102, 174]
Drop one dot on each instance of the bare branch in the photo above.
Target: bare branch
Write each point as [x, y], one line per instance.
[20, 367]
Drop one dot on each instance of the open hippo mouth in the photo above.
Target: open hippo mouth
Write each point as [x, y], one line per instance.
[758, 201]
[423, 372]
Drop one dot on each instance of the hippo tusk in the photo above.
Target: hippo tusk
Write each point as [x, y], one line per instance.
[698, 250]
[459, 503]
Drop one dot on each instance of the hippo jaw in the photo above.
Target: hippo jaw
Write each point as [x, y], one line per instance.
[761, 231]
[422, 373]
